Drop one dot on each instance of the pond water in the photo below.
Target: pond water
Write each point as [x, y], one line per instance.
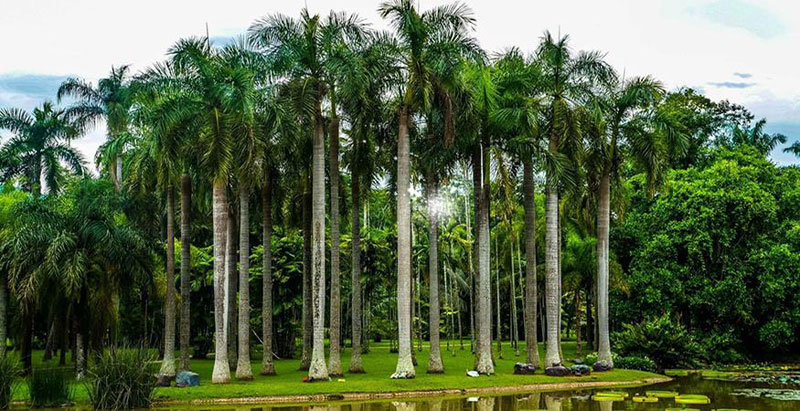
[741, 395]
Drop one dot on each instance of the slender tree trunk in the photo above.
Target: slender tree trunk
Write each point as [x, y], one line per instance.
[578, 346]
[334, 362]
[63, 337]
[355, 357]
[477, 185]
[186, 266]
[497, 294]
[244, 370]
[26, 350]
[318, 370]
[221, 373]
[515, 336]
[603, 210]
[551, 280]
[52, 336]
[471, 279]
[308, 325]
[3, 313]
[531, 297]
[168, 363]
[589, 318]
[484, 363]
[435, 365]
[118, 174]
[232, 284]
[405, 365]
[267, 363]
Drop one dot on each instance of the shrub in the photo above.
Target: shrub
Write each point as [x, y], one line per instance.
[122, 380]
[9, 373]
[635, 363]
[50, 387]
[668, 344]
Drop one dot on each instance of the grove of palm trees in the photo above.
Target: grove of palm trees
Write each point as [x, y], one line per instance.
[318, 206]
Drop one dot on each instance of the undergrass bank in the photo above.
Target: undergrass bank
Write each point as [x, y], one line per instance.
[287, 385]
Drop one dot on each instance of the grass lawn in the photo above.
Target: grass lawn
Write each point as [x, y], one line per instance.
[379, 365]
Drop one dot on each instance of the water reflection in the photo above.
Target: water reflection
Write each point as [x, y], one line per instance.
[722, 394]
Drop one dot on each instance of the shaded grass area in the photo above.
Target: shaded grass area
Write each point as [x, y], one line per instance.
[379, 364]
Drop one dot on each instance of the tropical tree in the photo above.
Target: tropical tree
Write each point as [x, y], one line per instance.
[755, 136]
[432, 45]
[111, 102]
[627, 129]
[39, 146]
[567, 80]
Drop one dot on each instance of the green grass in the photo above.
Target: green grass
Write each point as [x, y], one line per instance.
[379, 365]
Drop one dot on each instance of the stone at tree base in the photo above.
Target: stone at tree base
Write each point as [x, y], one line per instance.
[580, 370]
[187, 379]
[557, 371]
[601, 366]
[524, 369]
[163, 380]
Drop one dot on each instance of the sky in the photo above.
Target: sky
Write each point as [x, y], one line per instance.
[740, 50]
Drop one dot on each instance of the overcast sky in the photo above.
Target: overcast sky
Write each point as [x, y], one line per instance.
[744, 51]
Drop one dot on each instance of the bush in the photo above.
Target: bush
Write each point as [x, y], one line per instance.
[123, 380]
[668, 344]
[9, 373]
[635, 363]
[50, 387]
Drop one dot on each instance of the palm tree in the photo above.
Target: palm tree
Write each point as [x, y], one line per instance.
[39, 146]
[794, 148]
[518, 113]
[567, 80]
[433, 44]
[304, 50]
[757, 137]
[629, 128]
[217, 99]
[361, 94]
[110, 101]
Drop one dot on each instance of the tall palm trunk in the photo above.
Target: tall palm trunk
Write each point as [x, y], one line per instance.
[484, 363]
[435, 365]
[231, 284]
[405, 365]
[531, 298]
[318, 370]
[3, 313]
[476, 269]
[168, 364]
[603, 211]
[552, 298]
[221, 373]
[335, 363]
[267, 363]
[355, 357]
[243, 369]
[308, 325]
[186, 266]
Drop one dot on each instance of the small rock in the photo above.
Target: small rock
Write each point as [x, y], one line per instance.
[524, 369]
[577, 361]
[557, 371]
[601, 366]
[580, 370]
[187, 379]
[472, 373]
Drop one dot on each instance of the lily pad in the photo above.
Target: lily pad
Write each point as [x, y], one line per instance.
[608, 398]
[640, 398]
[692, 399]
[662, 394]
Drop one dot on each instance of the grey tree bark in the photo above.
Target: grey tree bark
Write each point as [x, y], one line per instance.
[3, 313]
[168, 363]
[232, 284]
[405, 365]
[186, 266]
[308, 325]
[267, 363]
[435, 365]
[356, 365]
[244, 370]
[484, 363]
[221, 372]
[318, 370]
[531, 297]
[603, 217]
[552, 298]
[335, 363]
